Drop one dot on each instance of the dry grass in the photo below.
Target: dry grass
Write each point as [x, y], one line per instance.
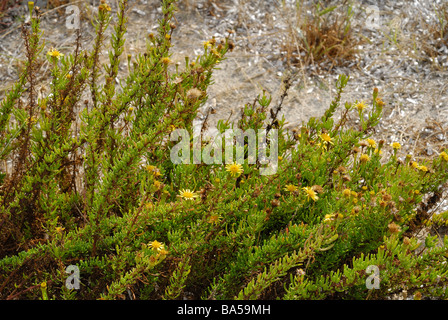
[327, 36]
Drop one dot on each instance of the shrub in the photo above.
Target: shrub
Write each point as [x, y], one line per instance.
[97, 189]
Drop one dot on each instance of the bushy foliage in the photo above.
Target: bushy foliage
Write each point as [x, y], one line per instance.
[93, 185]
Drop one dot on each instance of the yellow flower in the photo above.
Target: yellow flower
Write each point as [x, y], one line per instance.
[379, 102]
[416, 191]
[364, 158]
[326, 138]
[235, 169]
[104, 7]
[376, 151]
[43, 285]
[423, 168]
[167, 36]
[444, 156]
[311, 194]
[364, 187]
[354, 193]
[214, 219]
[156, 245]
[280, 158]
[346, 192]
[371, 143]
[414, 164]
[396, 145]
[361, 106]
[165, 60]
[59, 229]
[207, 44]
[163, 252]
[157, 184]
[291, 188]
[55, 53]
[187, 194]
[328, 217]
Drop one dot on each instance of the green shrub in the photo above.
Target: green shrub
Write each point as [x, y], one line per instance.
[97, 189]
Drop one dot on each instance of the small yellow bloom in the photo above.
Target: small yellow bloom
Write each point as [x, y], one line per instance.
[130, 109]
[376, 151]
[379, 102]
[291, 188]
[354, 193]
[311, 194]
[280, 158]
[371, 143]
[327, 217]
[326, 138]
[59, 229]
[396, 145]
[444, 156]
[364, 158]
[165, 60]
[43, 285]
[104, 6]
[416, 191]
[414, 164]
[361, 106]
[55, 53]
[167, 36]
[214, 219]
[346, 192]
[157, 184]
[235, 169]
[217, 180]
[187, 194]
[207, 44]
[156, 245]
[163, 252]
[422, 168]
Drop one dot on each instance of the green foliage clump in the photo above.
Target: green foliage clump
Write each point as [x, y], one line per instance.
[93, 186]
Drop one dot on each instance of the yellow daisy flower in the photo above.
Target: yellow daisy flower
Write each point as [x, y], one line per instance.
[361, 106]
[326, 138]
[396, 145]
[423, 168]
[364, 158]
[165, 60]
[371, 143]
[156, 245]
[291, 188]
[55, 53]
[444, 156]
[187, 194]
[311, 194]
[235, 169]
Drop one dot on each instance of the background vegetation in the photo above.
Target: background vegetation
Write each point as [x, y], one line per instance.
[92, 185]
